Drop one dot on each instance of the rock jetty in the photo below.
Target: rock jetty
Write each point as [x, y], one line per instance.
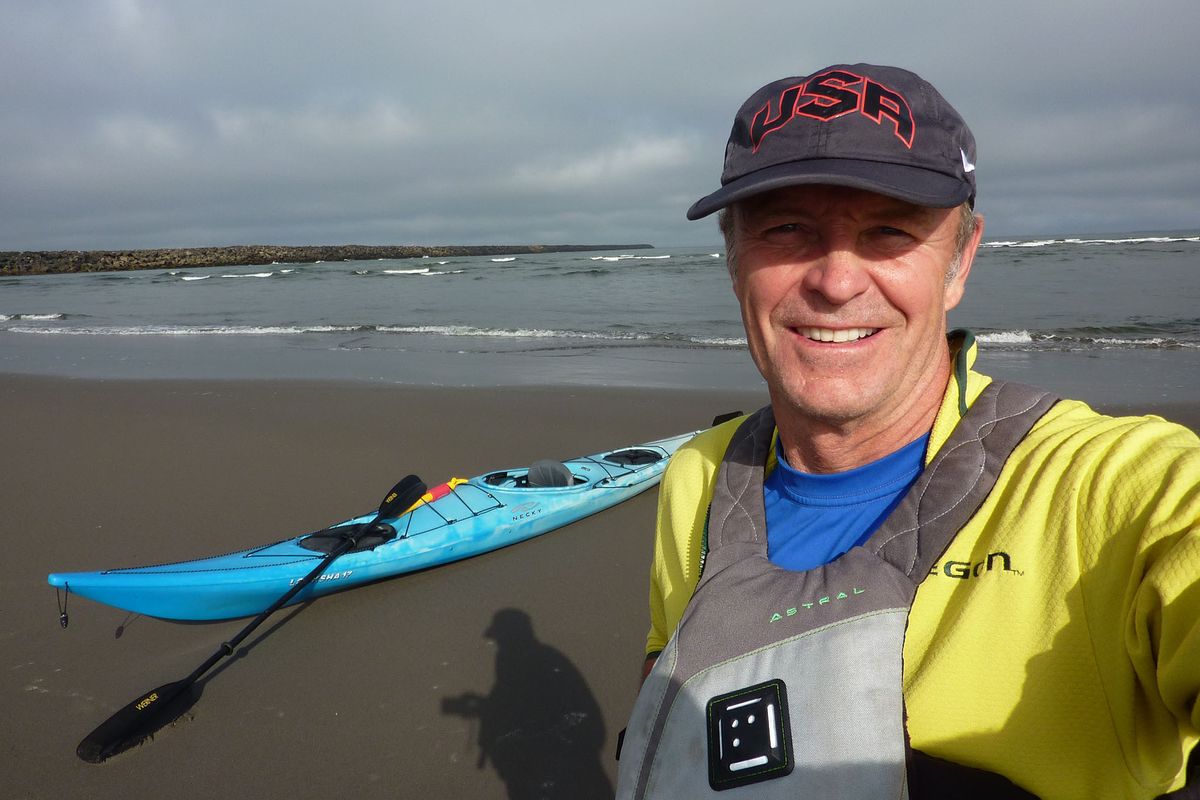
[49, 261]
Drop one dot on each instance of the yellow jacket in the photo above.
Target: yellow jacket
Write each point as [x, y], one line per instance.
[1058, 640]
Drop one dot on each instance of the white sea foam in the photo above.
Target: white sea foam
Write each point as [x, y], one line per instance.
[1152, 342]
[543, 333]
[499, 333]
[721, 341]
[187, 330]
[424, 272]
[195, 277]
[1006, 337]
[629, 257]
[1113, 341]
[1126, 240]
[517, 333]
[38, 317]
[1075, 341]
[249, 275]
[1034, 243]
[1137, 240]
[504, 260]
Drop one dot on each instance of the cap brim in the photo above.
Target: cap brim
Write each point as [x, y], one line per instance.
[912, 184]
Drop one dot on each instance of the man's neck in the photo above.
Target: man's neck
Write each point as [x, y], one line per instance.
[824, 446]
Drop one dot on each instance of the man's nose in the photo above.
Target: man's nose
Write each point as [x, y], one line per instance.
[838, 275]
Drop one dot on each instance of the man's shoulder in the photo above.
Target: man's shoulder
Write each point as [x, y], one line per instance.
[693, 467]
[1078, 419]
[1081, 439]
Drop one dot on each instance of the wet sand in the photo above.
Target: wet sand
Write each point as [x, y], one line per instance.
[383, 691]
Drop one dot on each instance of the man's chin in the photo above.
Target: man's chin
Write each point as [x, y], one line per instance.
[832, 403]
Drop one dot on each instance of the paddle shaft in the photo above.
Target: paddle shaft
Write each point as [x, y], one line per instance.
[140, 719]
[228, 647]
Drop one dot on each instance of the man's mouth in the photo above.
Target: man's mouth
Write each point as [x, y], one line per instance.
[836, 335]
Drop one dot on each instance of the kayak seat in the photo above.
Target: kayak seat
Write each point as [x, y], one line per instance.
[549, 473]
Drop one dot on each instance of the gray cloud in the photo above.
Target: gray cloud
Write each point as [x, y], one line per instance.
[127, 123]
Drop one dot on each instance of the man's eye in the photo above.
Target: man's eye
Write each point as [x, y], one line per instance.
[789, 232]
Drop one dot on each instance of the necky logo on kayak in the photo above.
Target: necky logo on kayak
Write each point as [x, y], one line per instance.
[832, 95]
[525, 510]
[331, 576]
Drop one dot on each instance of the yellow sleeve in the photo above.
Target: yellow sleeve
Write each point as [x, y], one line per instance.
[683, 500]
[1162, 633]
[1143, 557]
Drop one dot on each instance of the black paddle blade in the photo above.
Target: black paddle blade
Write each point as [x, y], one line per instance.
[728, 415]
[403, 494]
[138, 721]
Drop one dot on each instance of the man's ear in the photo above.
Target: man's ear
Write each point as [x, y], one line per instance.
[957, 285]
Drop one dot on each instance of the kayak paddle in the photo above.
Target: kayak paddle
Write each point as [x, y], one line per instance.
[143, 717]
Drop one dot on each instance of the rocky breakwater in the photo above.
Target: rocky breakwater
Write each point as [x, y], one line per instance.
[56, 261]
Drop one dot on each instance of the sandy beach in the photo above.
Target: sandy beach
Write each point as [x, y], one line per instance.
[382, 691]
[368, 693]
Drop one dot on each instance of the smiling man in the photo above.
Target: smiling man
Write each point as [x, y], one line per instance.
[902, 578]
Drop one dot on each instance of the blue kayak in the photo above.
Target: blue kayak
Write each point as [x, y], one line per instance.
[456, 520]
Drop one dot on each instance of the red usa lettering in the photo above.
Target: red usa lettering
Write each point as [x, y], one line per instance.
[831, 95]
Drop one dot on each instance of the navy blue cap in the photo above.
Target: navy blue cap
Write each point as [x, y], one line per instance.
[882, 129]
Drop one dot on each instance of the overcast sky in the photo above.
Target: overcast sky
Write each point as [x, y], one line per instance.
[156, 124]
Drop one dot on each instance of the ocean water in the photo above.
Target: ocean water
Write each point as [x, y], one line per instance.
[1114, 318]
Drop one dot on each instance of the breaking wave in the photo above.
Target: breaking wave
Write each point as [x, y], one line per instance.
[1129, 240]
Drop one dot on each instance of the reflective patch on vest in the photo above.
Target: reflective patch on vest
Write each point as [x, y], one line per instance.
[749, 736]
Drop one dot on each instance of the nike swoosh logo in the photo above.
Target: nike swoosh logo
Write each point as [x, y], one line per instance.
[967, 165]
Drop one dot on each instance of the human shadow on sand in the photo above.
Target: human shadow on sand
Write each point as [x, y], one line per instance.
[539, 726]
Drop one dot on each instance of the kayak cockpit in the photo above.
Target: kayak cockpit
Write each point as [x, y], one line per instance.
[635, 457]
[325, 541]
[544, 474]
[550, 474]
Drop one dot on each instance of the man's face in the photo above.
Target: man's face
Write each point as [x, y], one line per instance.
[844, 295]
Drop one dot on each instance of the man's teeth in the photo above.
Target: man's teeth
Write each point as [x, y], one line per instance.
[841, 335]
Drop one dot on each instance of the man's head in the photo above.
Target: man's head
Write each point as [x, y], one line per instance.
[881, 129]
[847, 200]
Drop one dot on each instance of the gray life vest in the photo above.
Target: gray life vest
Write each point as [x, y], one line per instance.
[793, 681]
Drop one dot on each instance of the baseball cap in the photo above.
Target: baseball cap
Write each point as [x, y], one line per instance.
[882, 129]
